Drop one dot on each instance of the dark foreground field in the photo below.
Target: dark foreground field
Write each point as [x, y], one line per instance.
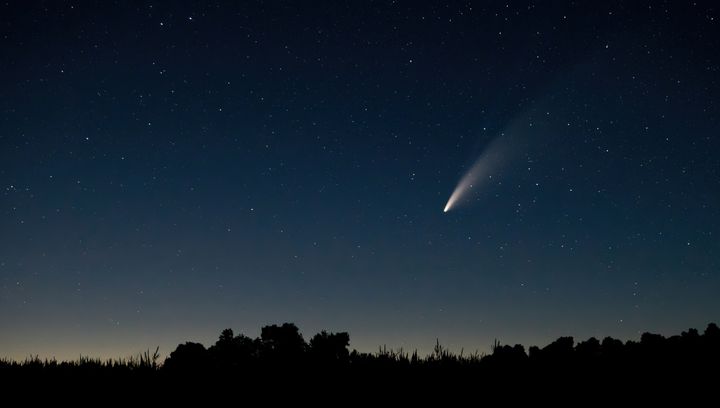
[280, 364]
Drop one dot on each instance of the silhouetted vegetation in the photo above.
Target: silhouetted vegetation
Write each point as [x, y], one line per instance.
[282, 354]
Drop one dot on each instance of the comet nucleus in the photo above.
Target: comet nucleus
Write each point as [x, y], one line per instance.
[480, 173]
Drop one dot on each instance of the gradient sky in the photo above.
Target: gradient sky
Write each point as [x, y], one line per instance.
[171, 169]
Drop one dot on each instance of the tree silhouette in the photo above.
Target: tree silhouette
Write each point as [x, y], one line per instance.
[329, 348]
[559, 352]
[234, 352]
[588, 350]
[282, 344]
[188, 357]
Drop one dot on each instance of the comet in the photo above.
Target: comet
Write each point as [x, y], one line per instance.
[480, 173]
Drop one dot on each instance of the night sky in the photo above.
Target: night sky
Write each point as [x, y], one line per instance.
[171, 169]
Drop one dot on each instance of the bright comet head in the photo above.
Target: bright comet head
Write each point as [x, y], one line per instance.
[480, 172]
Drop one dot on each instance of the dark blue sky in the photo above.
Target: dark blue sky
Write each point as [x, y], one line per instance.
[172, 169]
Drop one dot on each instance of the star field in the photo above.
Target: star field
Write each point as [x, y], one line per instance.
[170, 169]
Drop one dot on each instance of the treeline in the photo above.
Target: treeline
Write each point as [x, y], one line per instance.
[282, 352]
[285, 346]
[277, 345]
